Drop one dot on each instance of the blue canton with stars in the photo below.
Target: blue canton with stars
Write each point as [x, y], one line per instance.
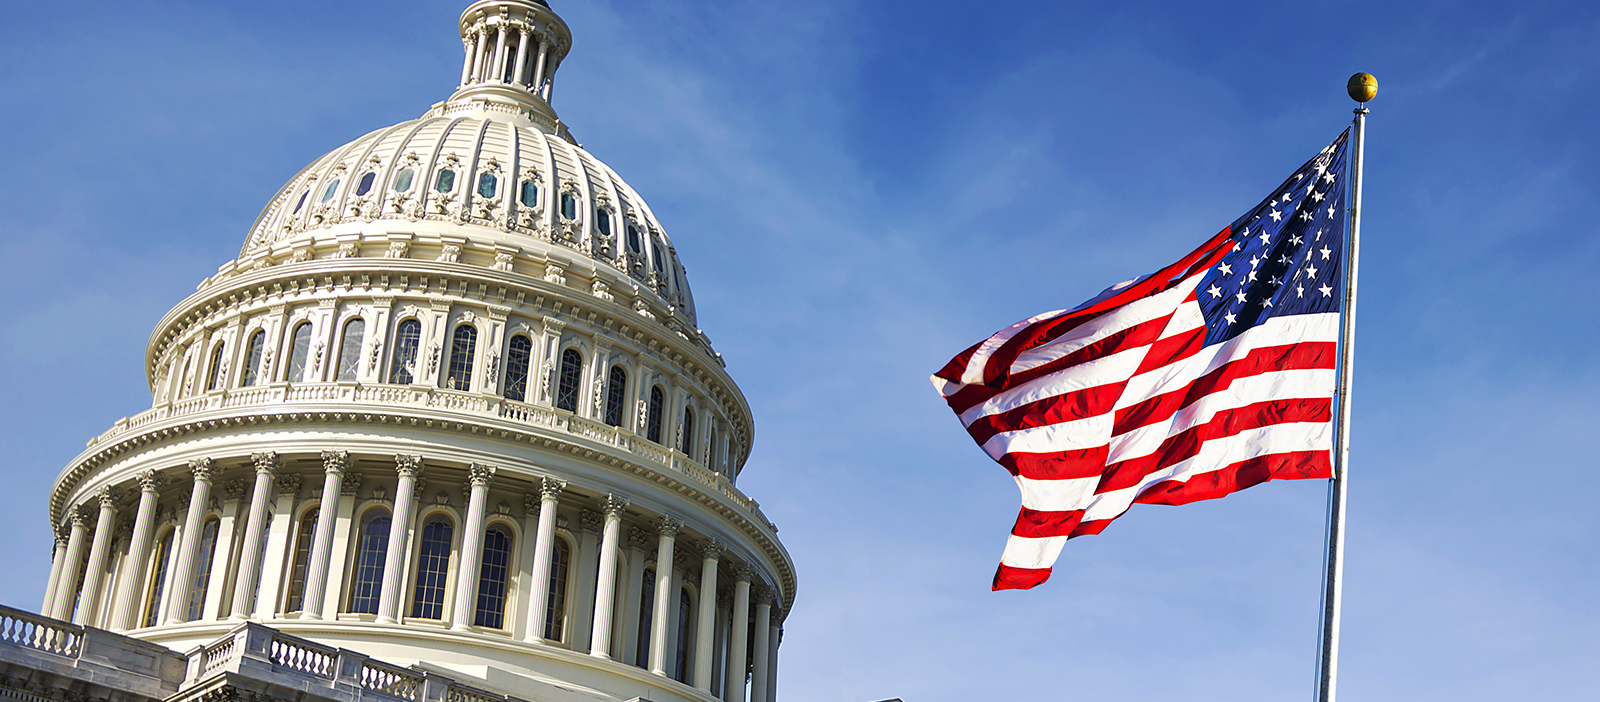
[1287, 254]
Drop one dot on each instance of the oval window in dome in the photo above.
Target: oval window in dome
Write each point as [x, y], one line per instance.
[402, 180]
[530, 194]
[634, 242]
[446, 181]
[301, 203]
[327, 194]
[487, 184]
[602, 222]
[569, 206]
[364, 185]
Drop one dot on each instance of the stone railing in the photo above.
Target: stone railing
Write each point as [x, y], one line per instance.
[90, 663]
[40, 633]
[474, 405]
[265, 654]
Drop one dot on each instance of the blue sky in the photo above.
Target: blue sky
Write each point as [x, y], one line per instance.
[860, 190]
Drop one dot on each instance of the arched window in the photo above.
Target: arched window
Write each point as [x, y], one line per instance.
[214, 373]
[252, 358]
[616, 395]
[571, 373]
[403, 361]
[555, 610]
[302, 560]
[517, 360]
[372, 548]
[647, 610]
[686, 433]
[711, 453]
[158, 578]
[462, 345]
[355, 331]
[433, 569]
[493, 576]
[569, 206]
[202, 571]
[685, 606]
[299, 349]
[652, 428]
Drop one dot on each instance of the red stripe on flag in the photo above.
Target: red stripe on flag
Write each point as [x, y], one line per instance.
[1008, 578]
[1066, 407]
[1172, 349]
[1035, 524]
[1296, 465]
[1305, 355]
[1187, 444]
[1058, 465]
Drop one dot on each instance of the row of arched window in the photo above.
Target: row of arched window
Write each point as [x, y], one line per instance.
[463, 347]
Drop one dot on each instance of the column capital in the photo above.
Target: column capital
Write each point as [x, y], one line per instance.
[63, 534]
[234, 489]
[591, 521]
[667, 526]
[639, 539]
[742, 572]
[407, 466]
[711, 549]
[614, 505]
[80, 517]
[149, 481]
[762, 596]
[550, 488]
[107, 497]
[289, 484]
[479, 474]
[351, 485]
[267, 462]
[202, 469]
[335, 462]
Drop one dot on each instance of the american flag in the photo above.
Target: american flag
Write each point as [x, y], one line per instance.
[1209, 376]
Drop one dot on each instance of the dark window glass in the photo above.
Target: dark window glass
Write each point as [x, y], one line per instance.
[569, 206]
[488, 183]
[299, 349]
[511, 65]
[372, 547]
[652, 428]
[158, 577]
[402, 180]
[602, 223]
[571, 372]
[403, 362]
[446, 181]
[301, 202]
[660, 254]
[462, 345]
[215, 372]
[616, 395]
[634, 242]
[202, 571]
[647, 611]
[517, 360]
[302, 560]
[433, 570]
[350, 349]
[555, 611]
[685, 605]
[530, 194]
[252, 358]
[686, 439]
[492, 578]
[328, 192]
[711, 453]
[364, 185]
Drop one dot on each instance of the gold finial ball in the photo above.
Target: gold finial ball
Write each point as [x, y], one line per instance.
[1362, 87]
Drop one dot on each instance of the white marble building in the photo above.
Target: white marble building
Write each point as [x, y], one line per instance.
[450, 409]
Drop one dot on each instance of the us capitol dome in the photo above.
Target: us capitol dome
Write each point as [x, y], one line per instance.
[445, 431]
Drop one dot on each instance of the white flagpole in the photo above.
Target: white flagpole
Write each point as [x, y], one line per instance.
[1362, 87]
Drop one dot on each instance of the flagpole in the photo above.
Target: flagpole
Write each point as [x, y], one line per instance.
[1362, 88]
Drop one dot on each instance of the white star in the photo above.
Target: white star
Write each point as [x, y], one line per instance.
[1287, 197]
[1264, 238]
[1301, 290]
[1325, 251]
[1328, 176]
[1276, 216]
[1235, 246]
[1215, 291]
[1318, 196]
[1274, 281]
[1319, 234]
[1284, 260]
[1266, 302]
[1254, 261]
[1252, 275]
[1330, 210]
[1240, 295]
[1305, 216]
[1298, 176]
[1326, 291]
[1230, 318]
[1296, 240]
[1311, 270]
[1226, 269]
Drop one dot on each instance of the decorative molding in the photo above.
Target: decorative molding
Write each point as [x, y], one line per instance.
[479, 474]
[234, 489]
[351, 485]
[150, 481]
[614, 505]
[335, 462]
[407, 466]
[202, 469]
[550, 488]
[591, 521]
[288, 484]
[711, 549]
[667, 527]
[267, 462]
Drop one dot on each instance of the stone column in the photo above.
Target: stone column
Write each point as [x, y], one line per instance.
[772, 661]
[394, 563]
[660, 625]
[590, 524]
[126, 604]
[543, 546]
[279, 536]
[471, 547]
[67, 584]
[520, 70]
[58, 556]
[477, 56]
[639, 543]
[538, 73]
[719, 669]
[738, 633]
[244, 586]
[103, 528]
[178, 594]
[471, 49]
[704, 632]
[334, 464]
[499, 74]
[761, 647]
[605, 594]
[222, 552]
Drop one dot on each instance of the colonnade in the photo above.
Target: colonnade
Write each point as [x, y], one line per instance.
[493, 56]
[253, 540]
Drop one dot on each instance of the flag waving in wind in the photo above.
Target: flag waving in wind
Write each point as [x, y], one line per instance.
[1209, 376]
